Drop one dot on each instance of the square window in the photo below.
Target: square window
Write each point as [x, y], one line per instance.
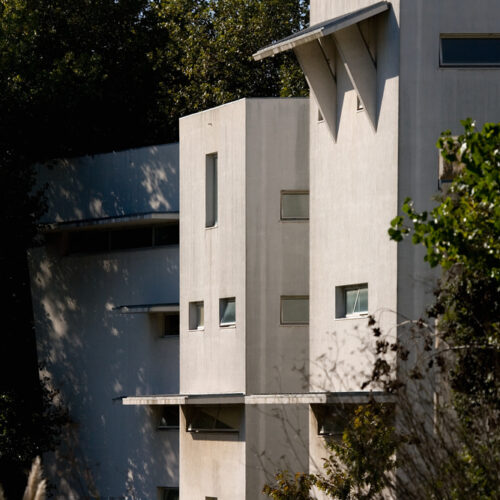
[170, 324]
[295, 310]
[351, 301]
[169, 417]
[211, 193]
[294, 205]
[227, 311]
[196, 316]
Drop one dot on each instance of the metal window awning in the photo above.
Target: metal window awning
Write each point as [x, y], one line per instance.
[147, 308]
[321, 30]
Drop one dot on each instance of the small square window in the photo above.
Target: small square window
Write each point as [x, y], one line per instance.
[294, 205]
[170, 324]
[295, 310]
[196, 316]
[169, 417]
[351, 301]
[227, 311]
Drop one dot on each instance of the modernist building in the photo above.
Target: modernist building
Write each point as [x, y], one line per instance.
[284, 208]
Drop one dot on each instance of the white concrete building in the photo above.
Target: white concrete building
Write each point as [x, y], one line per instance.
[284, 208]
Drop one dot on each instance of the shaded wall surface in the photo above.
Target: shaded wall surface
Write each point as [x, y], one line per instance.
[93, 353]
[135, 181]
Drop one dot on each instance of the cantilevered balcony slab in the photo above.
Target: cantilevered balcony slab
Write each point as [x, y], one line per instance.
[147, 308]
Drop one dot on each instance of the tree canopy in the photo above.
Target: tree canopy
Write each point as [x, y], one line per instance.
[88, 76]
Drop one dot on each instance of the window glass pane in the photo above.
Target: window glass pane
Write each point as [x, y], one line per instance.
[211, 191]
[467, 51]
[171, 324]
[88, 241]
[227, 311]
[295, 310]
[169, 417]
[200, 315]
[356, 300]
[363, 300]
[167, 235]
[351, 297]
[294, 206]
[196, 316]
[131, 238]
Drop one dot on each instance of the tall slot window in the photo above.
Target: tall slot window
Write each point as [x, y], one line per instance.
[211, 193]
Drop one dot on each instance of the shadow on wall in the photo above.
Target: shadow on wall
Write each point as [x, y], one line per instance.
[114, 184]
[94, 355]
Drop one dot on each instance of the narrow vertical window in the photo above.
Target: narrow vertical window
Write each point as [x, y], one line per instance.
[227, 311]
[211, 191]
[196, 316]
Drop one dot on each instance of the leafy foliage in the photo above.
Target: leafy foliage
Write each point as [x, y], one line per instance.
[357, 467]
[87, 76]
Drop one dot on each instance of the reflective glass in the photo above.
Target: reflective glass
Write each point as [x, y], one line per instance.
[294, 206]
[227, 311]
[295, 310]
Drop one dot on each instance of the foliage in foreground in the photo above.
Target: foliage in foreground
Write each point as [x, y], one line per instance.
[447, 441]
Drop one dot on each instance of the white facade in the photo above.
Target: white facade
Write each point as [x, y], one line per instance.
[255, 373]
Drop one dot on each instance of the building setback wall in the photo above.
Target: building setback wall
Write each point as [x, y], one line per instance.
[434, 99]
[353, 198]
[135, 181]
[213, 258]
[277, 263]
[93, 354]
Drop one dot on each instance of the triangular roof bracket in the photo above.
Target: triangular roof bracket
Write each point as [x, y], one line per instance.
[360, 67]
[321, 80]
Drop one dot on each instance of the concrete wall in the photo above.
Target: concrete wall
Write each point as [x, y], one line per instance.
[129, 182]
[353, 198]
[213, 465]
[323, 10]
[213, 259]
[434, 99]
[277, 252]
[277, 439]
[94, 354]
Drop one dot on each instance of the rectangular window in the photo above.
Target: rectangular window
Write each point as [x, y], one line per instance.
[171, 324]
[168, 493]
[294, 205]
[169, 418]
[196, 316]
[470, 50]
[222, 418]
[295, 310]
[351, 301]
[227, 311]
[211, 191]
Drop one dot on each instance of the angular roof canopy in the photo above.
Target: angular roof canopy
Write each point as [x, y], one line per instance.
[321, 30]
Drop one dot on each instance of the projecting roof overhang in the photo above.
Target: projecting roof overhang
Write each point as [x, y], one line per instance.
[147, 308]
[262, 399]
[112, 222]
[321, 30]
[317, 49]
